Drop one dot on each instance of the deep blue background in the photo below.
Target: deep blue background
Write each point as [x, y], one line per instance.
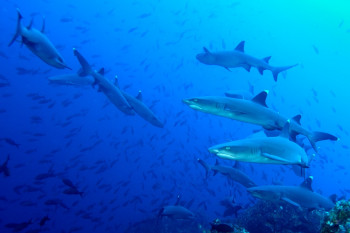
[151, 46]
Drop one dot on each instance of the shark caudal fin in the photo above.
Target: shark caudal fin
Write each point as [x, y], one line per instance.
[320, 136]
[277, 70]
[86, 68]
[205, 165]
[18, 28]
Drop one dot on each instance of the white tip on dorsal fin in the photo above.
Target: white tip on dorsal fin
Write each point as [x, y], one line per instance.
[285, 130]
[261, 98]
[206, 50]
[139, 95]
[240, 46]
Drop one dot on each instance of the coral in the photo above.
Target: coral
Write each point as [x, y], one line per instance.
[338, 219]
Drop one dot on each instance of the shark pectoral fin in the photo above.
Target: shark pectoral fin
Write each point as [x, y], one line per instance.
[246, 67]
[290, 201]
[215, 172]
[275, 157]
[261, 70]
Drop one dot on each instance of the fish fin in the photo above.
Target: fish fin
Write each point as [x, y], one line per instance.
[246, 67]
[217, 162]
[240, 46]
[227, 68]
[261, 70]
[261, 98]
[290, 201]
[333, 198]
[206, 50]
[18, 28]
[178, 199]
[139, 96]
[307, 183]
[83, 62]
[285, 130]
[320, 136]
[206, 167]
[101, 71]
[277, 70]
[237, 165]
[30, 24]
[43, 26]
[297, 119]
[116, 81]
[275, 157]
[267, 59]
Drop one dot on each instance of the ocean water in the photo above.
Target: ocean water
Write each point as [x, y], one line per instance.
[128, 169]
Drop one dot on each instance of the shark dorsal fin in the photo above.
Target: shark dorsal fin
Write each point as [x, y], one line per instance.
[285, 130]
[139, 95]
[30, 24]
[177, 200]
[43, 26]
[307, 183]
[101, 71]
[297, 119]
[267, 59]
[206, 50]
[237, 165]
[240, 46]
[116, 82]
[261, 98]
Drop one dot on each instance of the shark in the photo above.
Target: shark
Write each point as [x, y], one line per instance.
[255, 111]
[238, 58]
[301, 196]
[37, 42]
[4, 169]
[78, 79]
[112, 92]
[139, 107]
[231, 172]
[176, 212]
[268, 150]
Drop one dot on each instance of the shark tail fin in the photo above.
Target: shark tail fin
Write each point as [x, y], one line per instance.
[86, 68]
[320, 136]
[18, 29]
[277, 70]
[206, 167]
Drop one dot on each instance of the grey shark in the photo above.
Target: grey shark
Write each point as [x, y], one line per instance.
[78, 79]
[238, 58]
[231, 172]
[140, 108]
[176, 212]
[301, 196]
[270, 150]
[38, 43]
[254, 111]
[112, 92]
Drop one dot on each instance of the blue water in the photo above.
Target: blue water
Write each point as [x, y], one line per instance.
[127, 168]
